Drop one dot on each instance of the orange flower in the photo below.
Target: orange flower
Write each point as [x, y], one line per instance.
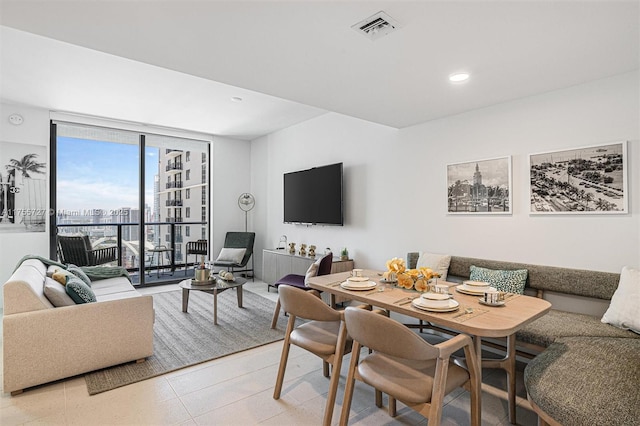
[405, 281]
[421, 284]
[396, 265]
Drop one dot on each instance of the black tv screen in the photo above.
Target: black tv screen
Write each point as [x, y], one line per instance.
[314, 196]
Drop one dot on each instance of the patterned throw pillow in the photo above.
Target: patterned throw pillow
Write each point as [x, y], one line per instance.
[79, 291]
[75, 270]
[508, 281]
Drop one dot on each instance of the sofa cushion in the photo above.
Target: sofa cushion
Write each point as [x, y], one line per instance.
[587, 381]
[558, 324]
[624, 311]
[79, 291]
[437, 262]
[111, 286]
[80, 274]
[57, 293]
[509, 281]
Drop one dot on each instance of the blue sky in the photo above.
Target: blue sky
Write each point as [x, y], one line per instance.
[101, 175]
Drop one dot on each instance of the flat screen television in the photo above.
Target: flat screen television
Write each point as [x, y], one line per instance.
[314, 196]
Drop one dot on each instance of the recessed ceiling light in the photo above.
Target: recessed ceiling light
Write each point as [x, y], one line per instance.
[236, 99]
[459, 77]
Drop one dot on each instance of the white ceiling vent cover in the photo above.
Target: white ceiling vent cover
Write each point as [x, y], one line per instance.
[376, 26]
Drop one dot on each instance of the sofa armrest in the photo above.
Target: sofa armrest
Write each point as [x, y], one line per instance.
[51, 344]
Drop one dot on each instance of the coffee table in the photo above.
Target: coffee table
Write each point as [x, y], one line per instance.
[215, 286]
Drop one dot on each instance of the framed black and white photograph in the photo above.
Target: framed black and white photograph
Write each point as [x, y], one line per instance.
[23, 188]
[588, 180]
[479, 187]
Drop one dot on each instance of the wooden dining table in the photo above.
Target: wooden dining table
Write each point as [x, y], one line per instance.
[473, 318]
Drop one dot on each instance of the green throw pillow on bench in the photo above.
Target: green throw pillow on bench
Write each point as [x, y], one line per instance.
[508, 281]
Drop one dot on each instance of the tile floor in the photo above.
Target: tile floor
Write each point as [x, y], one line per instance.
[235, 390]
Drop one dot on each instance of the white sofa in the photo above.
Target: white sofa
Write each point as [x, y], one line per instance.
[43, 343]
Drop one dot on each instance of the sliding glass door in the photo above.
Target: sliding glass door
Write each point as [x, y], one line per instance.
[131, 190]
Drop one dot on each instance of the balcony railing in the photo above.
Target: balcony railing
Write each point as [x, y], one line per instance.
[176, 203]
[129, 254]
[173, 166]
[174, 185]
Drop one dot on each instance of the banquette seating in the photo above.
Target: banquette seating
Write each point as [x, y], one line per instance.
[583, 371]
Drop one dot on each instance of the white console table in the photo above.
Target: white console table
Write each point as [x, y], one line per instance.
[278, 263]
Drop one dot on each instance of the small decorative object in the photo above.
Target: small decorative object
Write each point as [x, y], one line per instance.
[303, 250]
[292, 248]
[202, 273]
[282, 244]
[344, 254]
[312, 251]
[409, 278]
[327, 250]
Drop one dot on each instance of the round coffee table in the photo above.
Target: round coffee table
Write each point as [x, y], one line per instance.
[215, 286]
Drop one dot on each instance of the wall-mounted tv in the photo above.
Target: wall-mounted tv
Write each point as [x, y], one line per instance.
[314, 196]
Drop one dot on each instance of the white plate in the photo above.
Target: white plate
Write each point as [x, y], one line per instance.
[499, 303]
[357, 279]
[475, 283]
[474, 291]
[435, 296]
[358, 286]
[421, 303]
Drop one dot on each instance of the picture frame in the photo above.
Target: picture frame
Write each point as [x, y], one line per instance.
[584, 180]
[23, 188]
[481, 187]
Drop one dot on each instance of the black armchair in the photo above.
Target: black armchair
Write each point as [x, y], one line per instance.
[78, 251]
[200, 247]
[238, 240]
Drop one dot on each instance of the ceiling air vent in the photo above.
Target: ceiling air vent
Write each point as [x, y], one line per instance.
[376, 26]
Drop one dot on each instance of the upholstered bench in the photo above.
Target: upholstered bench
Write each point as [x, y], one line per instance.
[584, 372]
[586, 381]
[558, 324]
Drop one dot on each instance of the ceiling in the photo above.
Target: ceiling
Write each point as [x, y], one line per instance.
[179, 63]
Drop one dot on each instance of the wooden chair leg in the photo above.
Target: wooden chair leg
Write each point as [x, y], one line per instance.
[348, 391]
[276, 313]
[325, 368]
[378, 398]
[392, 406]
[283, 358]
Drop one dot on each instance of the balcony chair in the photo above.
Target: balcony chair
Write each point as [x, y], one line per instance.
[229, 256]
[406, 367]
[200, 247]
[78, 251]
[319, 267]
[323, 335]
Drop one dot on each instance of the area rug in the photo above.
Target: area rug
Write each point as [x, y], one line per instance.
[184, 339]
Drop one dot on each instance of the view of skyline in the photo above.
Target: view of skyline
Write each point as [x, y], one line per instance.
[101, 175]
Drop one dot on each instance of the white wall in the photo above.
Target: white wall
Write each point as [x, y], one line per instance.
[396, 180]
[231, 177]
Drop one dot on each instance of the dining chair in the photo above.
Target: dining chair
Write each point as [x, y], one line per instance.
[323, 266]
[324, 335]
[406, 367]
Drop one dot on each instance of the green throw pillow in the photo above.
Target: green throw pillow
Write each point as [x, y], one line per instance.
[80, 274]
[79, 291]
[508, 281]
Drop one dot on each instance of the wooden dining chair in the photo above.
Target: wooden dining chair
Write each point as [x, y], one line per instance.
[406, 367]
[323, 335]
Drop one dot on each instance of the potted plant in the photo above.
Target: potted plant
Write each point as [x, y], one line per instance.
[344, 254]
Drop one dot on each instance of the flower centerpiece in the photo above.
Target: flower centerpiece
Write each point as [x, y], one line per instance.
[409, 278]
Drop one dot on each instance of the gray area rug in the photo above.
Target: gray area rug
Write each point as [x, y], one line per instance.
[184, 339]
